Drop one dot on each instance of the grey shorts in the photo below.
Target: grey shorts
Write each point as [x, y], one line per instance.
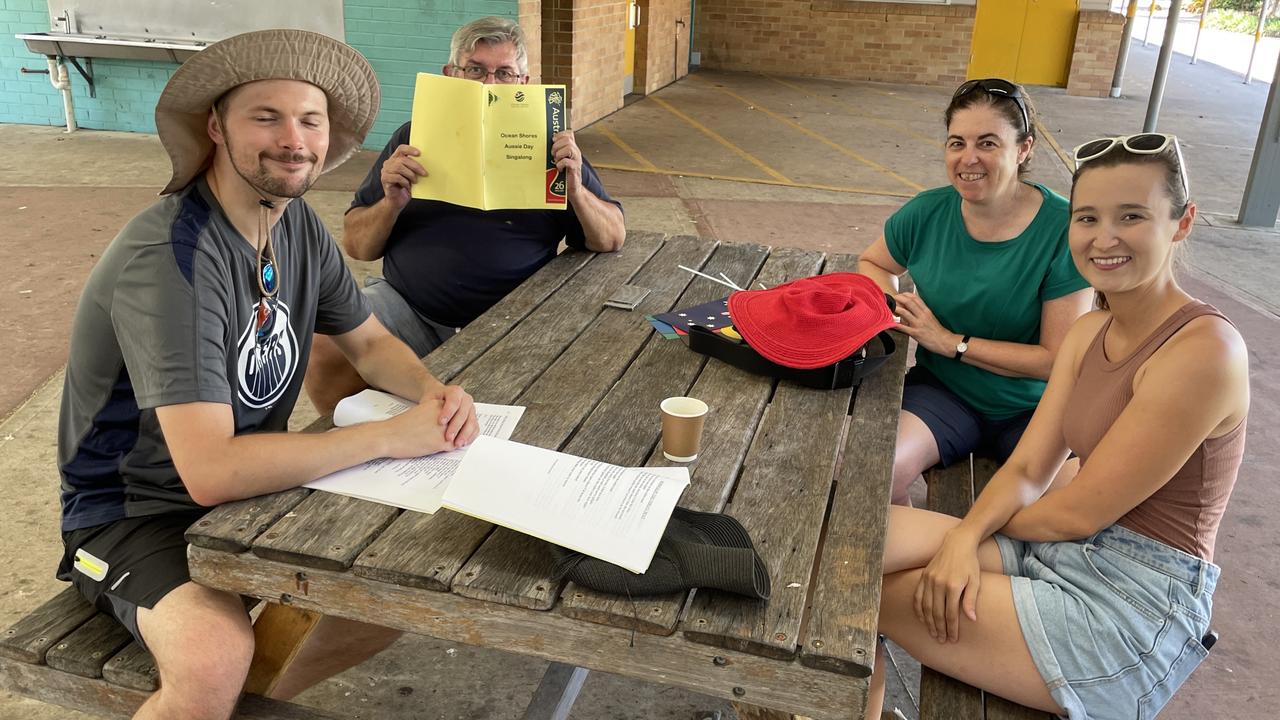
[1114, 622]
[420, 333]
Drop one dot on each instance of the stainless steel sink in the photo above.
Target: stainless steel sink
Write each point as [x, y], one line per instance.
[102, 46]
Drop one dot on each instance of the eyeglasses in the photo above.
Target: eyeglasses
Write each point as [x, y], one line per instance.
[1140, 144]
[504, 76]
[1000, 88]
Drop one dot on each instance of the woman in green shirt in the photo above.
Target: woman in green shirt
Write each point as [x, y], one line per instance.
[995, 288]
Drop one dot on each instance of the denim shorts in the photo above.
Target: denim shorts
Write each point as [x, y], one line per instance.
[1114, 622]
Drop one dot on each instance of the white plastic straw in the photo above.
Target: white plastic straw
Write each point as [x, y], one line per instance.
[712, 279]
[730, 281]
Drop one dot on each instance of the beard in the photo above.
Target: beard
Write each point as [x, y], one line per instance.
[257, 175]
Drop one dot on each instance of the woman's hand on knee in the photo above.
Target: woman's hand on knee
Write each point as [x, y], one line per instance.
[919, 322]
[948, 586]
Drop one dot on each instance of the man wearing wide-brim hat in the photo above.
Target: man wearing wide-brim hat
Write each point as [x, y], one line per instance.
[188, 351]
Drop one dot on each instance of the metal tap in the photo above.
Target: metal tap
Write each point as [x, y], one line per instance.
[67, 20]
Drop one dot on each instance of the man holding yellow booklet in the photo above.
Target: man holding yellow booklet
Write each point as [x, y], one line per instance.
[445, 264]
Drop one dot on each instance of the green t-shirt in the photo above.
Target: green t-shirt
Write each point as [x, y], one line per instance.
[991, 290]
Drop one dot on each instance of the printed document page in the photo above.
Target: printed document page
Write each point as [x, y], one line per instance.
[609, 512]
[412, 483]
[368, 405]
[520, 122]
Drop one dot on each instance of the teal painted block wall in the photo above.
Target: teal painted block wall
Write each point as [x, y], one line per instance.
[127, 90]
[400, 37]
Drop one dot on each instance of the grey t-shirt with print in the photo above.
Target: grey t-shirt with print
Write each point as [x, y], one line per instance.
[168, 317]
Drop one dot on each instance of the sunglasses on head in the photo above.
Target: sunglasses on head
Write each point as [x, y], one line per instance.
[1140, 144]
[999, 88]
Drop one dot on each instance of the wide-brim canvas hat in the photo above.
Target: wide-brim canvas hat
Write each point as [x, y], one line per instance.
[345, 76]
[811, 322]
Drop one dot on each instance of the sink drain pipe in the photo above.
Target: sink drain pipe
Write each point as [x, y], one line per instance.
[62, 82]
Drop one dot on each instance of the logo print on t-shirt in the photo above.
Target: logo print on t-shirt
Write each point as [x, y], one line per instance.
[264, 368]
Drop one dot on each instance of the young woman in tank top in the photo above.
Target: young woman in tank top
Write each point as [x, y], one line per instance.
[1091, 600]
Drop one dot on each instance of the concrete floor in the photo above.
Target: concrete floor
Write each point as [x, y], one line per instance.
[773, 160]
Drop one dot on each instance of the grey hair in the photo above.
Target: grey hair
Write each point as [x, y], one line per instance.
[493, 30]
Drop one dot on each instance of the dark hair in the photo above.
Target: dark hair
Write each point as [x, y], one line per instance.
[1168, 160]
[1008, 109]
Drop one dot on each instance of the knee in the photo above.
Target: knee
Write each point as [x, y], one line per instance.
[205, 677]
[326, 357]
[226, 651]
[905, 471]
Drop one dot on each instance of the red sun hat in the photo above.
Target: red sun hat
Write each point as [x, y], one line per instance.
[811, 322]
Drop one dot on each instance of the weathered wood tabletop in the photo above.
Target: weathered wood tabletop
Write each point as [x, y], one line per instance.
[806, 471]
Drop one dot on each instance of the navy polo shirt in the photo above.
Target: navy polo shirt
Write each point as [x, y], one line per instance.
[452, 263]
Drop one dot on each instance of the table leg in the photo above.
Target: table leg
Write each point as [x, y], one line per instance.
[278, 635]
[556, 693]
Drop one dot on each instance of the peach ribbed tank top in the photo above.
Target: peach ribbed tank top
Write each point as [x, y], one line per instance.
[1185, 512]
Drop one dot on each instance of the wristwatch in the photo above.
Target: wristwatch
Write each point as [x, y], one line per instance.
[962, 347]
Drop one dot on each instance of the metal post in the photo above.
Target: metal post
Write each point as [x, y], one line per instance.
[1195, 49]
[1257, 38]
[1162, 68]
[1151, 17]
[1261, 199]
[555, 695]
[1126, 37]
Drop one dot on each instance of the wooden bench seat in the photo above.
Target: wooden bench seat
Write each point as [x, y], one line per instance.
[66, 653]
[951, 491]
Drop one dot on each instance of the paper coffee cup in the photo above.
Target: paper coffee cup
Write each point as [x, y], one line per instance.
[682, 419]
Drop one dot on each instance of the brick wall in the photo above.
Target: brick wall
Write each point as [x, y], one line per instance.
[846, 39]
[662, 45]
[400, 38]
[582, 48]
[530, 14]
[557, 42]
[1093, 60]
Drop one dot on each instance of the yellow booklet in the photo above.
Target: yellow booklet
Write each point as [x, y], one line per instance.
[488, 146]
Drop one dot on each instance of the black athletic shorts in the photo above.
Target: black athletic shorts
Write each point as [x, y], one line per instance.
[957, 427]
[131, 563]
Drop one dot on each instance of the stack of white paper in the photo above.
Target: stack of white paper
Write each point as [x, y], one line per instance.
[606, 511]
[413, 483]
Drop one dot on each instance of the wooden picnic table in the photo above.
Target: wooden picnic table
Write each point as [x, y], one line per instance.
[806, 471]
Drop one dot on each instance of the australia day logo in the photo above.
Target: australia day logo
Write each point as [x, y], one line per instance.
[519, 96]
[265, 367]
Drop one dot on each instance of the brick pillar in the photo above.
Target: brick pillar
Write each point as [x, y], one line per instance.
[530, 19]
[1093, 60]
[662, 51]
[582, 48]
[557, 42]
